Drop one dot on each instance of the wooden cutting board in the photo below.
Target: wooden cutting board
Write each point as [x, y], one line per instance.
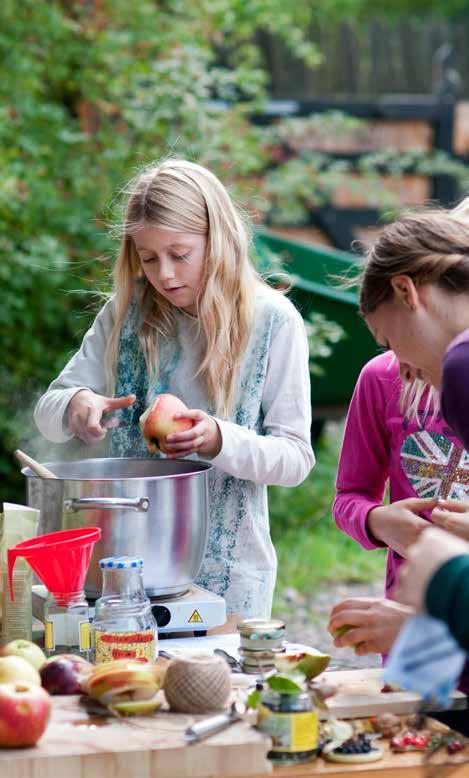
[409, 765]
[75, 746]
[359, 695]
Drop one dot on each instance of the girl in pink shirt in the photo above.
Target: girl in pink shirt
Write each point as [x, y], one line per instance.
[420, 459]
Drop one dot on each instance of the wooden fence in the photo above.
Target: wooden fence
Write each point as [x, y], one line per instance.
[373, 59]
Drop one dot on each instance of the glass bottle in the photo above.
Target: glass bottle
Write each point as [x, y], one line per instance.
[67, 625]
[124, 625]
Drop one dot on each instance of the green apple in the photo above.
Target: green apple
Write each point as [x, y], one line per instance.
[26, 650]
[310, 662]
[342, 630]
[14, 669]
[136, 707]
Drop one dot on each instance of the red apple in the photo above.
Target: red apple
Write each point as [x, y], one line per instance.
[26, 650]
[65, 674]
[158, 421]
[24, 713]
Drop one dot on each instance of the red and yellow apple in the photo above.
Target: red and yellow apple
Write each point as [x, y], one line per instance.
[14, 669]
[158, 422]
[24, 713]
[26, 650]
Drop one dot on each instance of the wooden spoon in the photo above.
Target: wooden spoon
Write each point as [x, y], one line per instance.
[36, 467]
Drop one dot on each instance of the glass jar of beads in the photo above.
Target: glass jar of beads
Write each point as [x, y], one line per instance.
[124, 625]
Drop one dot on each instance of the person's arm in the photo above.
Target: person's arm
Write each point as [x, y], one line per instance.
[282, 455]
[368, 624]
[435, 577]
[85, 370]
[364, 458]
[447, 597]
[454, 390]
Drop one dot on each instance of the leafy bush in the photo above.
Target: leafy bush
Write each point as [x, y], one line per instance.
[89, 92]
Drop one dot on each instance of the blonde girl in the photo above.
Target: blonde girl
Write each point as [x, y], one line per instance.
[190, 316]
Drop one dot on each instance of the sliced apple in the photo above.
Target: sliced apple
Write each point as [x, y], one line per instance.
[310, 662]
[136, 707]
[124, 679]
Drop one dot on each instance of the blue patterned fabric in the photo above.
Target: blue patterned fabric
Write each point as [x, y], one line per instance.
[426, 659]
[240, 561]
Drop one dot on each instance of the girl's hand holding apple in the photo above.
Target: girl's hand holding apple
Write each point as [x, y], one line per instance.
[85, 414]
[203, 438]
[169, 426]
[376, 623]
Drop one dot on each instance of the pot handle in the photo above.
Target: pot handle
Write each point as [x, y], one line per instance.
[107, 503]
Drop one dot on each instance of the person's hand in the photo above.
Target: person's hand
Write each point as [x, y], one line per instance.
[203, 438]
[85, 414]
[453, 516]
[376, 623]
[433, 548]
[398, 525]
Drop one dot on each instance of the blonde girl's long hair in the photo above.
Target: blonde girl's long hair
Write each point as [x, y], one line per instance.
[417, 399]
[431, 246]
[416, 393]
[183, 196]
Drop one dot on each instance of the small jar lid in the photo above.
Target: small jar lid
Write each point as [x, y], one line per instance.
[261, 628]
[294, 702]
[260, 653]
[121, 563]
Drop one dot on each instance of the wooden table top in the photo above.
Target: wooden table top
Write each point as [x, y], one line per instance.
[76, 746]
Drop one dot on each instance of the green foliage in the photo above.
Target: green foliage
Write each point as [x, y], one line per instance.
[89, 92]
[311, 550]
[322, 337]
[306, 178]
[285, 684]
[398, 9]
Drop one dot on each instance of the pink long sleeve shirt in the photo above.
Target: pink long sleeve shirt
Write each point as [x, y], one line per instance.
[417, 458]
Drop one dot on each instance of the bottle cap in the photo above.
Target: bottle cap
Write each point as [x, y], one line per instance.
[121, 563]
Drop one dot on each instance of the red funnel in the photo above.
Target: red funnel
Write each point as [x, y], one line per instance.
[59, 559]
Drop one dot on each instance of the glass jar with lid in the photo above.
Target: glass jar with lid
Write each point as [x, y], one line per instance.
[124, 625]
[291, 720]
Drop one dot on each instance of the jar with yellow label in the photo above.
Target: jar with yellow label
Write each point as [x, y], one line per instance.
[67, 625]
[291, 720]
[124, 625]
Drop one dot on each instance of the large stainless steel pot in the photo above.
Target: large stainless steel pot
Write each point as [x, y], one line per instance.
[157, 509]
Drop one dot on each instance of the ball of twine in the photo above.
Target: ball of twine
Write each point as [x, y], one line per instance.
[197, 684]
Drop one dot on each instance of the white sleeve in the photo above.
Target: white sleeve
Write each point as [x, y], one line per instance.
[85, 370]
[282, 455]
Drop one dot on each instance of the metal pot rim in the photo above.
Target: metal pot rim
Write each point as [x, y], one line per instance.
[189, 467]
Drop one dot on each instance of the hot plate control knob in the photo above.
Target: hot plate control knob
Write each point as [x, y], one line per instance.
[161, 614]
